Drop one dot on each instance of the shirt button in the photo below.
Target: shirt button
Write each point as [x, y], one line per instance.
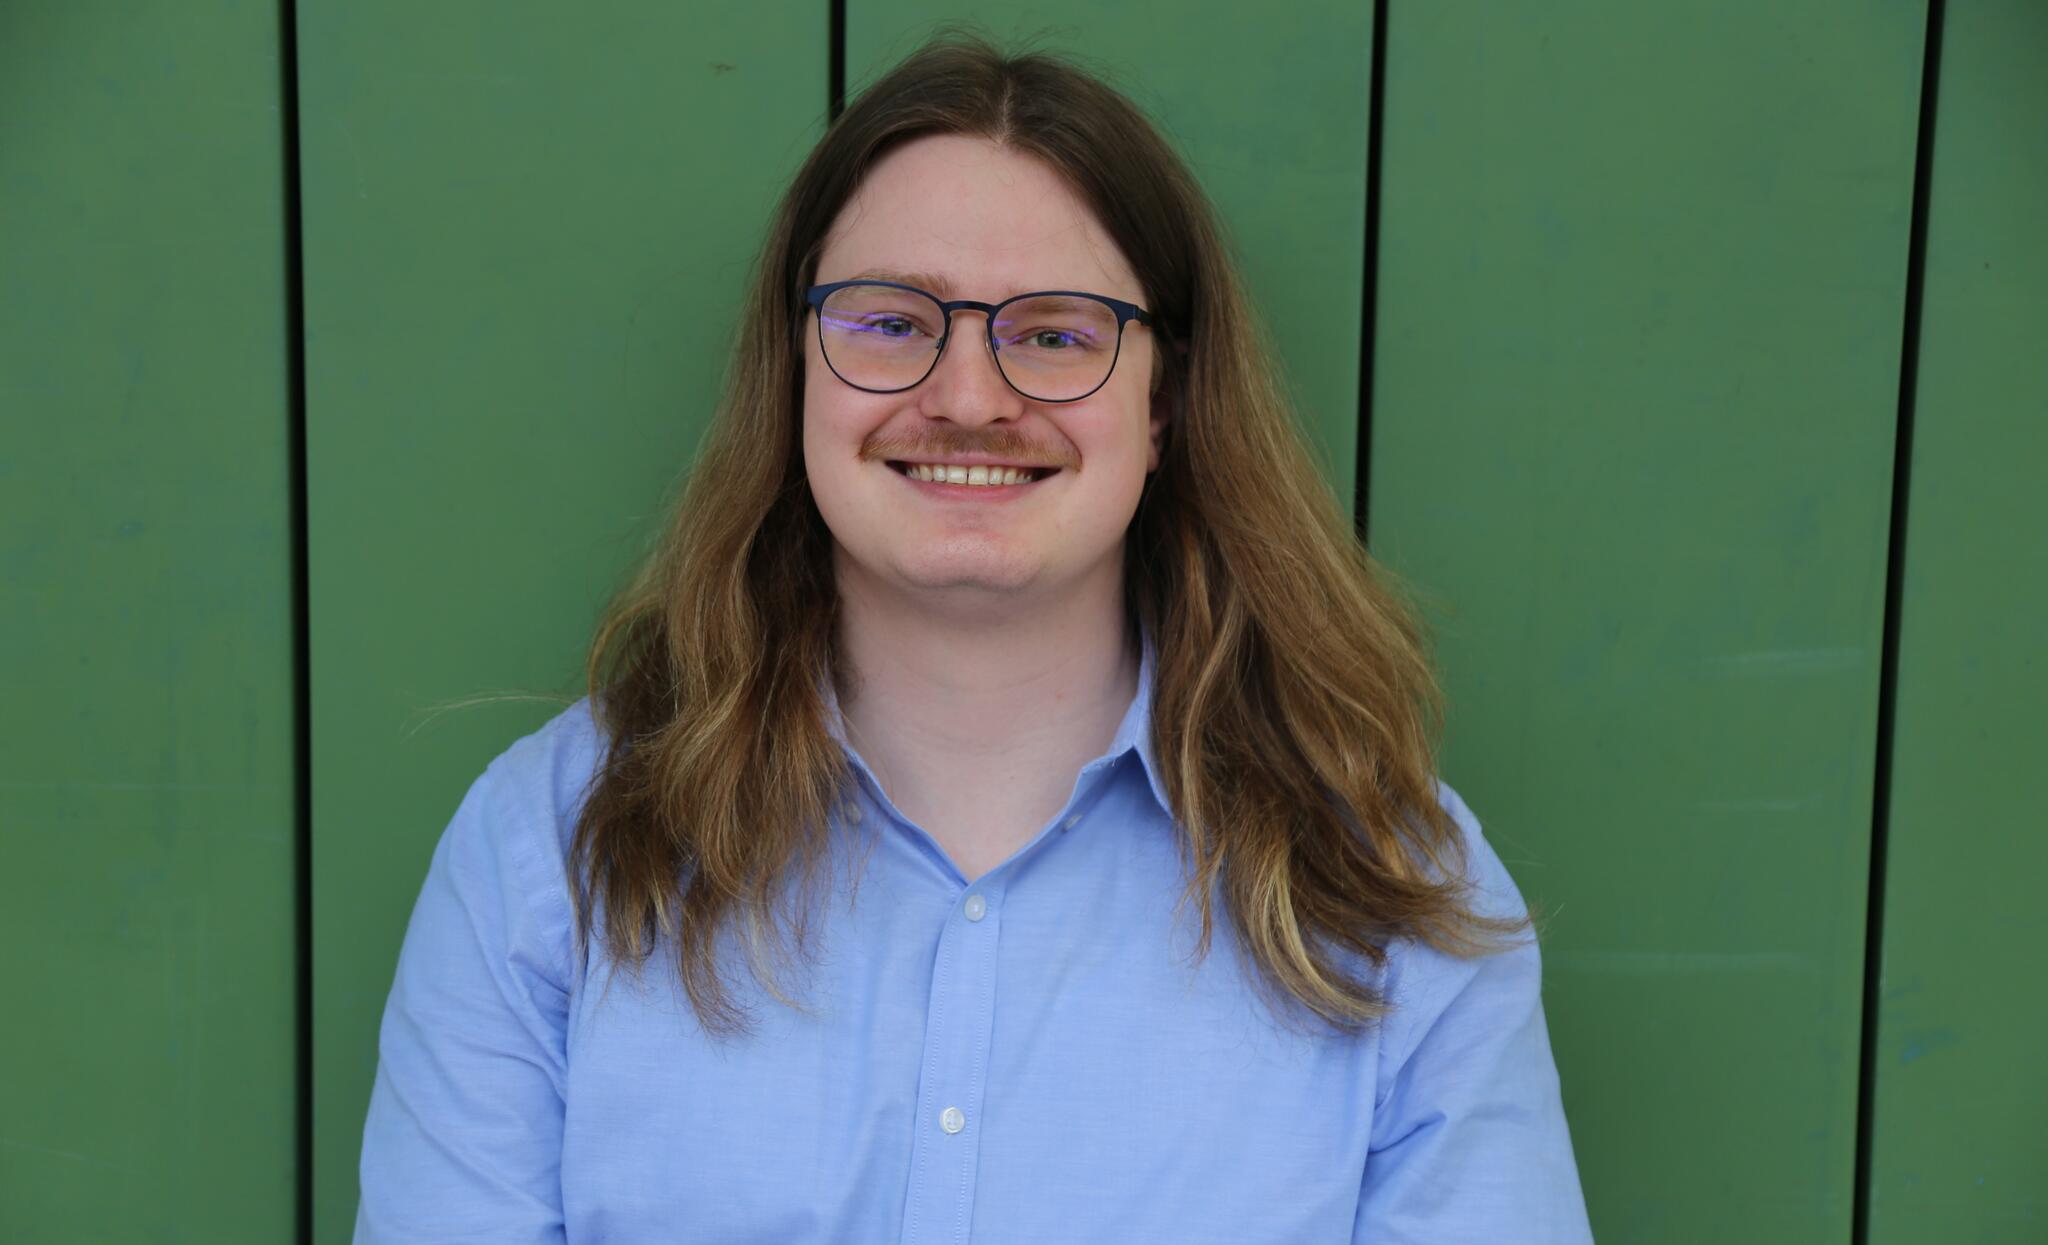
[952, 1121]
[1072, 821]
[976, 907]
[853, 813]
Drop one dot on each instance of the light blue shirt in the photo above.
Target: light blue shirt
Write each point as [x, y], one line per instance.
[1026, 1059]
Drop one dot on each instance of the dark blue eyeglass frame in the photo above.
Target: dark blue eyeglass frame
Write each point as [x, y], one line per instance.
[1125, 313]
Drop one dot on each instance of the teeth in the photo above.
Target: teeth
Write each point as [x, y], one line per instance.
[939, 473]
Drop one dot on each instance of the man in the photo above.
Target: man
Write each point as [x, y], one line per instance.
[1004, 623]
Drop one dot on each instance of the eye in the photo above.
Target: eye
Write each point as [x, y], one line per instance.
[890, 326]
[1052, 339]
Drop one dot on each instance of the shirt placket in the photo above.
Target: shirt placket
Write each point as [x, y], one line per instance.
[960, 1019]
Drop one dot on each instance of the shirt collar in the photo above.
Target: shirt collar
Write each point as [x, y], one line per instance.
[1133, 733]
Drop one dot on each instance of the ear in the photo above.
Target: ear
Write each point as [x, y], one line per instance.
[1162, 415]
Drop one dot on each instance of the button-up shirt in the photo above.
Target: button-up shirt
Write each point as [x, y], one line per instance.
[1031, 1057]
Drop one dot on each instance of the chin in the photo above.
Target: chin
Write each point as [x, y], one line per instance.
[967, 576]
[965, 567]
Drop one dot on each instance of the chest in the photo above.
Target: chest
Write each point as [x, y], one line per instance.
[1045, 1064]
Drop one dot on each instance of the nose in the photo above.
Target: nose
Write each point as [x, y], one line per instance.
[966, 386]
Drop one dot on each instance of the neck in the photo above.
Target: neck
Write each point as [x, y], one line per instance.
[976, 718]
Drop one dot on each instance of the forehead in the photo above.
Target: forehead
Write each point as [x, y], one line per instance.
[984, 220]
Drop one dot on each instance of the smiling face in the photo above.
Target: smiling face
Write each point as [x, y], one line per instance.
[968, 219]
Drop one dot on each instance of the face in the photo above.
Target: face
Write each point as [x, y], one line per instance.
[973, 220]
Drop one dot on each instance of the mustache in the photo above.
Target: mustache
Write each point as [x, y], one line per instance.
[1006, 444]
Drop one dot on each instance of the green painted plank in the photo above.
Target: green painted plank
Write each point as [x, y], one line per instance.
[1268, 104]
[146, 790]
[1641, 287]
[527, 229]
[1957, 1151]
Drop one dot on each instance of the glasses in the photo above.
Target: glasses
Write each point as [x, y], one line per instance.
[1050, 346]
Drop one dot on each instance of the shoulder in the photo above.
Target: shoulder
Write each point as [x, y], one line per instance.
[1424, 985]
[512, 834]
[1492, 890]
[543, 778]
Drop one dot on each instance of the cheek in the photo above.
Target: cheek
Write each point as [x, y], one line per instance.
[1123, 442]
[1119, 461]
[832, 424]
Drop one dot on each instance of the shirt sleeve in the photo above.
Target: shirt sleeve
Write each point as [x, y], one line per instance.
[1469, 1142]
[463, 1138]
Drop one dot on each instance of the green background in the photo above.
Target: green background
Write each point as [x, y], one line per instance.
[1737, 601]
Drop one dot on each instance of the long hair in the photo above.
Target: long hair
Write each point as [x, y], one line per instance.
[1294, 712]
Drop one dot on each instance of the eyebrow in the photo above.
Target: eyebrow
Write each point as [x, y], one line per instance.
[923, 280]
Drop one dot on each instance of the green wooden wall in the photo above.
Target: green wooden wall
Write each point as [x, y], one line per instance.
[1957, 1149]
[1636, 381]
[1640, 287]
[147, 777]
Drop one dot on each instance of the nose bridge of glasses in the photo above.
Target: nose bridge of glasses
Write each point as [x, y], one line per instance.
[988, 316]
[988, 334]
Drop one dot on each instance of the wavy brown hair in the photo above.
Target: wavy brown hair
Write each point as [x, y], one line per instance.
[1294, 712]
